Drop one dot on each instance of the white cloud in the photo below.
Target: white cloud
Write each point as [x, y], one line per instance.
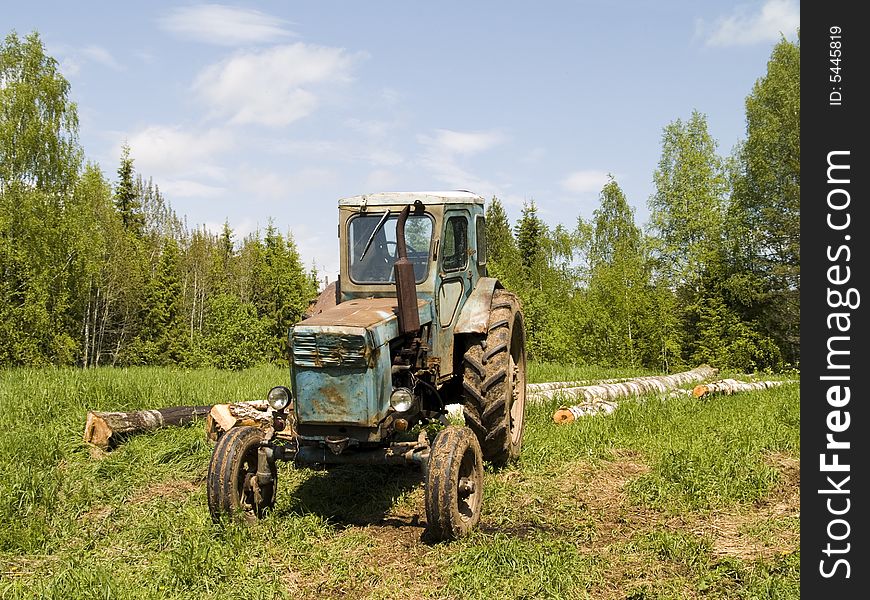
[372, 127]
[318, 247]
[73, 59]
[272, 87]
[102, 56]
[463, 142]
[741, 28]
[533, 156]
[145, 56]
[391, 96]
[582, 182]
[262, 184]
[382, 157]
[185, 188]
[380, 180]
[162, 150]
[442, 153]
[304, 148]
[376, 154]
[225, 25]
[241, 228]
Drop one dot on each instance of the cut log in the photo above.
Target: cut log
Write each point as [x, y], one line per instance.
[732, 386]
[632, 387]
[600, 398]
[566, 414]
[533, 389]
[102, 429]
[223, 417]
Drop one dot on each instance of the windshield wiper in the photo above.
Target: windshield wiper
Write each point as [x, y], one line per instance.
[374, 233]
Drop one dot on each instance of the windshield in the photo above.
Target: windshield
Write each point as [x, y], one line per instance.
[376, 265]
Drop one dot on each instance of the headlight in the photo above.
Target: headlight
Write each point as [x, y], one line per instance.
[279, 397]
[403, 401]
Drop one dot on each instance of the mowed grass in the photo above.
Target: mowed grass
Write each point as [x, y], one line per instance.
[665, 498]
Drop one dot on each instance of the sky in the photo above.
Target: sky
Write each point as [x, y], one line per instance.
[248, 112]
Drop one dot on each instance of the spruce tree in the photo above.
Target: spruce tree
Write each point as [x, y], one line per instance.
[501, 248]
[531, 236]
[127, 193]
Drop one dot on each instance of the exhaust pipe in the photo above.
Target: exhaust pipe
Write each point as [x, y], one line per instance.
[406, 281]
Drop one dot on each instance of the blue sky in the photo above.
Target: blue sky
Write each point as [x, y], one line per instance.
[257, 110]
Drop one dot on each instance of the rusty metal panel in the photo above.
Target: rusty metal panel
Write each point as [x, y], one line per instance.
[355, 313]
[333, 395]
[474, 317]
[376, 315]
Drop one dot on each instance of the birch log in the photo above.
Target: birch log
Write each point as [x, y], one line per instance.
[732, 386]
[102, 429]
[533, 389]
[601, 398]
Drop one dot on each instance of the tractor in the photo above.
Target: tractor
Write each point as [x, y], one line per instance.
[415, 326]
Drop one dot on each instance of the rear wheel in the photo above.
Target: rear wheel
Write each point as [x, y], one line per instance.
[233, 488]
[494, 382]
[454, 484]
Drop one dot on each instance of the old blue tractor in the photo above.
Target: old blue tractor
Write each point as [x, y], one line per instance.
[416, 325]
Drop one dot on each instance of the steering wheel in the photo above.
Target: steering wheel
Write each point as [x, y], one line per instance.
[408, 247]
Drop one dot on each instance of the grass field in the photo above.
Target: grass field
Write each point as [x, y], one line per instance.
[677, 498]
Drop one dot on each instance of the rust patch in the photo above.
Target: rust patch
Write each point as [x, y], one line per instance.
[356, 313]
[331, 398]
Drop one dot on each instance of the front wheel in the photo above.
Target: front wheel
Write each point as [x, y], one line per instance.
[233, 487]
[454, 484]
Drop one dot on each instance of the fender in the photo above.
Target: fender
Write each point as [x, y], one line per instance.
[474, 316]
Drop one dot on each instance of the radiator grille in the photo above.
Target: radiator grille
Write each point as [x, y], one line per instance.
[312, 349]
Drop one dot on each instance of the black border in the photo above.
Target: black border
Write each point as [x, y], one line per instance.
[827, 128]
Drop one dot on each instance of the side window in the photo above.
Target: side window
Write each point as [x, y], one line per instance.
[481, 240]
[454, 253]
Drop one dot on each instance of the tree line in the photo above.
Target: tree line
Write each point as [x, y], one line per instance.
[713, 278]
[94, 272]
[98, 272]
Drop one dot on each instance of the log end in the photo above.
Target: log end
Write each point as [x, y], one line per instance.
[563, 416]
[219, 420]
[97, 431]
[699, 391]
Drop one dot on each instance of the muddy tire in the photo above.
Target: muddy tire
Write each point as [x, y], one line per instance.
[454, 484]
[232, 486]
[494, 382]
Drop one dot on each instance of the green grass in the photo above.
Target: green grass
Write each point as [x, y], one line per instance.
[662, 499]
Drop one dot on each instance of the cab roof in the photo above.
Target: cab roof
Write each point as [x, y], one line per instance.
[390, 198]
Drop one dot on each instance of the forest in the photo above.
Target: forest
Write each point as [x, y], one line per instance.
[97, 269]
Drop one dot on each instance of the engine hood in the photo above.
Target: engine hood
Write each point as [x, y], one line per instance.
[374, 318]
